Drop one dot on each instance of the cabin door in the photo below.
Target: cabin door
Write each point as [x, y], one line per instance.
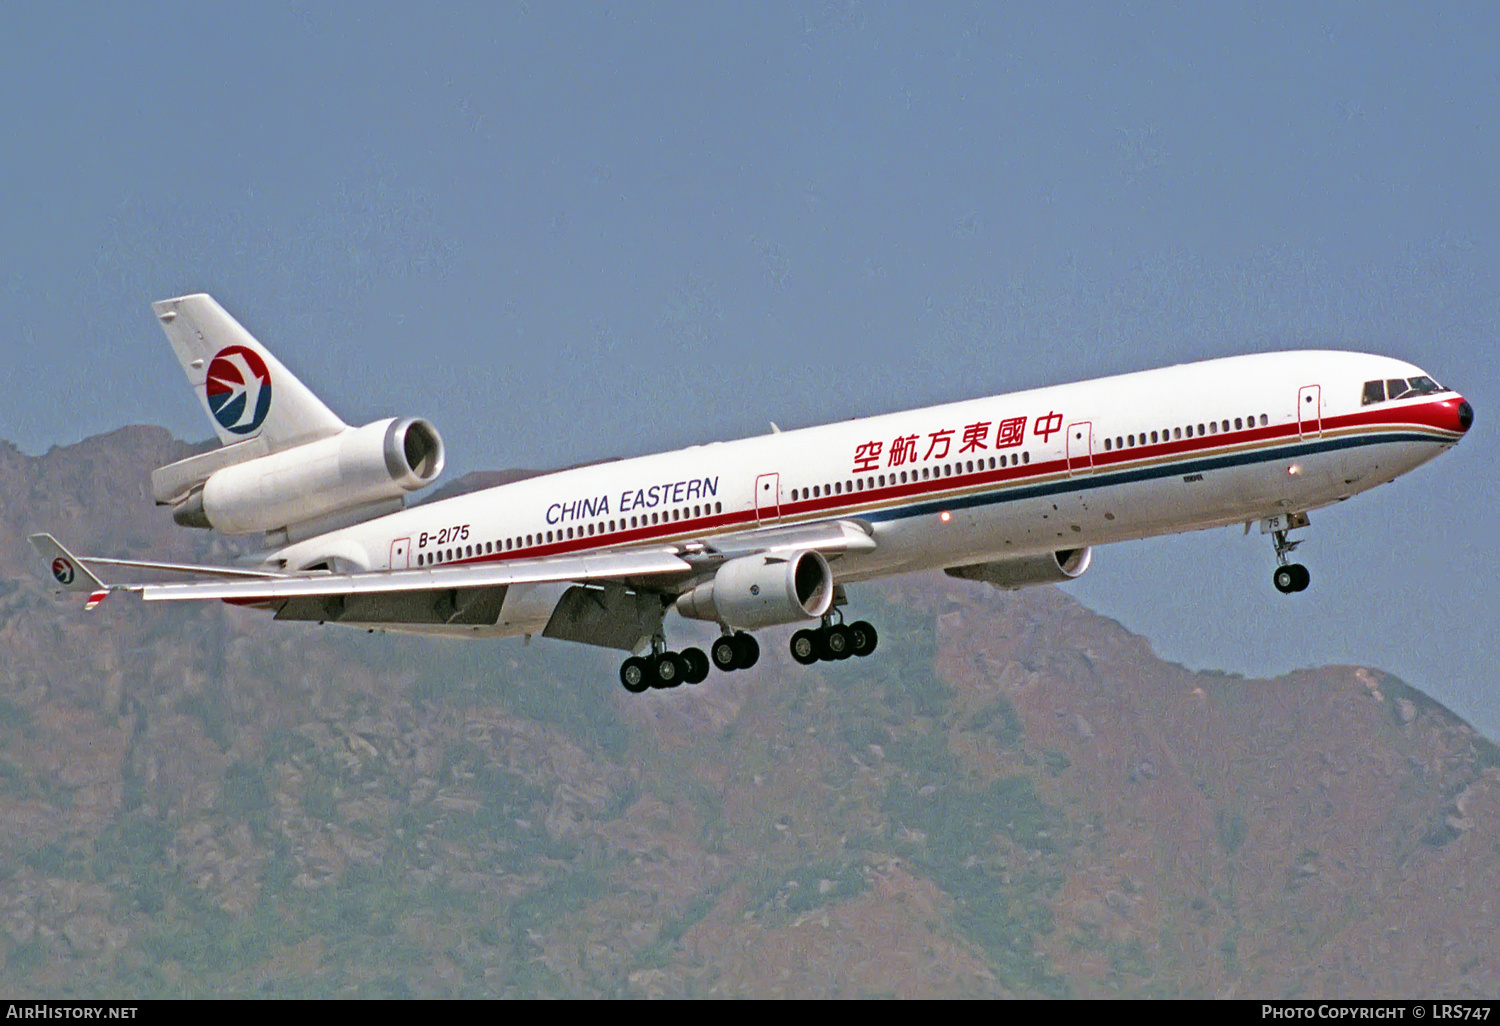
[768, 498]
[1081, 448]
[1310, 411]
[401, 554]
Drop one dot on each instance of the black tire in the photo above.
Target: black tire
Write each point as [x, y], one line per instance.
[725, 653]
[864, 637]
[749, 650]
[635, 675]
[697, 664]
[669, 669]
[1303, 577]
[1285, 578]
[837, 644]
[805, 647]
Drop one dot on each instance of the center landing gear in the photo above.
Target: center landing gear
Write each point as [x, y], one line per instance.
[737, 651]
[834, 641]
[1288, 576]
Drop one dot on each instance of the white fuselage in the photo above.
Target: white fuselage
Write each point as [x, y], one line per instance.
[1175, 449]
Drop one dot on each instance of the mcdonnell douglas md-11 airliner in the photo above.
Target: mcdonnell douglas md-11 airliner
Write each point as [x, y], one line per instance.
[1013, 489]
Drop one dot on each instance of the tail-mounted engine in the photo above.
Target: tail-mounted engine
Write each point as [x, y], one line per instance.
[359, 469]
[761, 590]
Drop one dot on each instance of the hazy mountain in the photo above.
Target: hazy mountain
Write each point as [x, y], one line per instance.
[1012, 796]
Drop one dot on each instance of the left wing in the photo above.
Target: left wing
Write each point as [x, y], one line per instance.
[616, 595]
[612, 566]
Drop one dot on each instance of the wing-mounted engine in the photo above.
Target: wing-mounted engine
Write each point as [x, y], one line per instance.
[1025, 571]
[355, 475]
[761, 590]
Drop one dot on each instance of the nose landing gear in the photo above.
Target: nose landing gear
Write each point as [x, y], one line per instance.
[1288, 577]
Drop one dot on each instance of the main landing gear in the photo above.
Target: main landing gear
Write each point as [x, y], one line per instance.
[834, 641]
[663, 669]
[737, 650]
[1288, 576]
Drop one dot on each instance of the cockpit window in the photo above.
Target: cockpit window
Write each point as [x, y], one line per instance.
[1400, 388]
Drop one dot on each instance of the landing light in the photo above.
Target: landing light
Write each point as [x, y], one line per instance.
[945, 516]
[1294, 469]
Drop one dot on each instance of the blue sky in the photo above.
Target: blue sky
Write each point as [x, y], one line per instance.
[568, 232]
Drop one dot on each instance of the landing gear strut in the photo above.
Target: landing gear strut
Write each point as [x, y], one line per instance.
[1288, 576]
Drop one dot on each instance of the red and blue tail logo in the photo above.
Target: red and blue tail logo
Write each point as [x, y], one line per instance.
[63, 571]
[239, 389]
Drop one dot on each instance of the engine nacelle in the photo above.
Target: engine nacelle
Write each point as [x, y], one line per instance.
[1024, 571]
[357, 467]
[761, 590]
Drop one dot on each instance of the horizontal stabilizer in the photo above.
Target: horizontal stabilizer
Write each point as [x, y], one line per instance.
[69, 572]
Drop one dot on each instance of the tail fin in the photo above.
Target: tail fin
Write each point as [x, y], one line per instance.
[245, 391]
[69, 572]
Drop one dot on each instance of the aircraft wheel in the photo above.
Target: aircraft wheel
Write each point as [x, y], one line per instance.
[670, 670]
[725, 653]
[697, 665]
[805, 647]
[635, 675]
[1285, 578]
[863, 637]
[1303, 577]
[837, 644]
[748, 648]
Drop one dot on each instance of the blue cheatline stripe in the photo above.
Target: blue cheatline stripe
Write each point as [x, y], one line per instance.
[1086, 482]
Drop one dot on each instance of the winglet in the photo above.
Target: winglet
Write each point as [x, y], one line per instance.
[69, 571]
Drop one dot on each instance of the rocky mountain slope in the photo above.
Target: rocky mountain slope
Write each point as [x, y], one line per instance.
[1012, 797]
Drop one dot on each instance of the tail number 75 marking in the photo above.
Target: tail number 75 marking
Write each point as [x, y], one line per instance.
[444, 537]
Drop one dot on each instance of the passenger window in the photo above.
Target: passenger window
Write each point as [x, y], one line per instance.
[1131, 440]
[1153, 438]
[1226, 425]
[1263, 420]
[1026, 457]
[1238, 423]
[718, 507]
[1108, 444]
[1177, 432]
